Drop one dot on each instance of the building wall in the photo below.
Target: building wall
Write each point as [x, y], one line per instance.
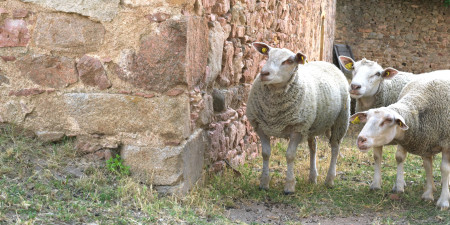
[410, 35]
[162, 82]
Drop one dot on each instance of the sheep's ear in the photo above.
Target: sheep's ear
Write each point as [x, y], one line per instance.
[360, 117]
[347, 62]
[401, 123]
[300, 58]
[389, 73]
[262, 48]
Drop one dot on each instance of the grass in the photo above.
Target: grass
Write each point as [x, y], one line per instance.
[49, 184]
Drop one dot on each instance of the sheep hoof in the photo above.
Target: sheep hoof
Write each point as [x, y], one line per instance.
[288, 192]
[375, 187]
[427, 198]
[398, 190]
[442, 203]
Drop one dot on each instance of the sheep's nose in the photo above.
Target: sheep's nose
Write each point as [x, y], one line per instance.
[355, 86]
[361, 139]
[265, 73]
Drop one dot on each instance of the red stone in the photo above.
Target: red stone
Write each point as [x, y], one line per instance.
[48, 71]
[20, 13]
[27, 92]
[92, 73]
[158, 17]
[174, 92]
[176, 55]
[8, 58]
[14, 33]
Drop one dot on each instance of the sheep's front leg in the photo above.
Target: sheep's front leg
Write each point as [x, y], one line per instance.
[400, 156]
[329, 181]
[428, 165]
[312, 159]
[377, 156]
[445, 174]
[295, 139]
[265, 143]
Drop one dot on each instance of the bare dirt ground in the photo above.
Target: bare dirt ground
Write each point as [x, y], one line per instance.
[268, 213]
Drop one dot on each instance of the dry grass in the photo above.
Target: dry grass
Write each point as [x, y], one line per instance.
[49, 184]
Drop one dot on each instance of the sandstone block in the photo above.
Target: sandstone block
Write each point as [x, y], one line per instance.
[14, 33]
[173, 169]
[48, 71]
[175, 55]
[98, 9]
[216, 41]
[92, 73]
[68, 33]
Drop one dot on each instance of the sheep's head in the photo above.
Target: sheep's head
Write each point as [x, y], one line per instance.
[280, 65]
[366, 76]
[382, 126]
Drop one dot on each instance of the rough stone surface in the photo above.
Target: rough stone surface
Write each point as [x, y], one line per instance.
[98, 9]
[48, 136]
[3, 80]
[48, 71]
[216, 41]
[92, 73]
[68, 33]
[410, 36]
[170, 169]
[173, 56]
[14, 33]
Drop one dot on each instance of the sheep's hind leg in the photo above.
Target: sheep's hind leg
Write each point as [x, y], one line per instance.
[265, 143]
[443, 201]
[329, 181]
[400, 156]
[428, 165]
[377, 156]
[295, 139]
[312, 144]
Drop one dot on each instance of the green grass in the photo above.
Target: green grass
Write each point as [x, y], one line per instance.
[38, 187]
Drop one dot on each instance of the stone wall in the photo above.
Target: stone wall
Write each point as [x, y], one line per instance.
[410, 35]
[162, 82]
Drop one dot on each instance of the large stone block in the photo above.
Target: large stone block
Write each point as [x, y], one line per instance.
[216, 41]
[101, 113]
[48, 71]
[98, 9]
[170, 169]
[68, 33]
[14, 33]
[92, 73]
[176, 54]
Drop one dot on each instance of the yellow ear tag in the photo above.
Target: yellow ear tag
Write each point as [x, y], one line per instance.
[400, 123]
[349, 66]
[387, 73]
[356, 120]
[264, 50]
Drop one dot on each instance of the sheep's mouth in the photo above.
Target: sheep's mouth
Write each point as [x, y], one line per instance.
[355, 94]
[363, 148]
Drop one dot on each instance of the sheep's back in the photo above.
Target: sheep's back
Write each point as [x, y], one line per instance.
[425, 105]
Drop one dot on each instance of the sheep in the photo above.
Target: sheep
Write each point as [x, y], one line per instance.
[373, 87]
[293, 99]
[419, 123]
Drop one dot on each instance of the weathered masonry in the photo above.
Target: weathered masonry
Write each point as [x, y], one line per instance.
[163, 82]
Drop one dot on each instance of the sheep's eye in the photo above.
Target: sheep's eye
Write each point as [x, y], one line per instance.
[288, 62]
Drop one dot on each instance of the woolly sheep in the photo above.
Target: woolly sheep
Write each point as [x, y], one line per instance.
[419, 123]
[373, 87]
[293, 99]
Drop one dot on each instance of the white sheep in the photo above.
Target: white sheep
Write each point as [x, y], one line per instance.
[294, 99]
[419, 123]
[373, 87]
